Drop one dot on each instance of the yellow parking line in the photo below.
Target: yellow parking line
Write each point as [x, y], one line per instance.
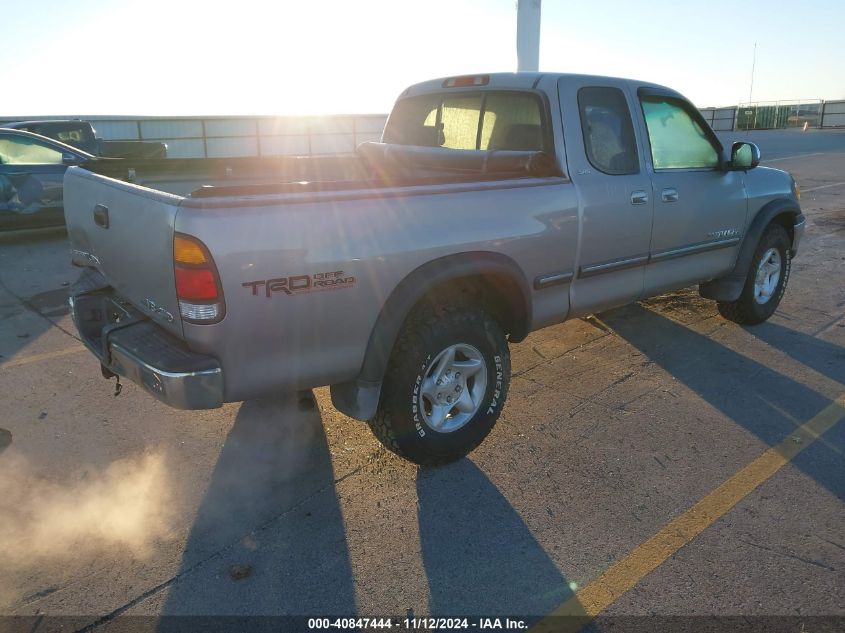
[623, 575]
[34, 358]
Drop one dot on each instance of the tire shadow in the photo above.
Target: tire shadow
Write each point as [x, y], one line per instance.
[758, 398]
[479, 556]
[269, 537]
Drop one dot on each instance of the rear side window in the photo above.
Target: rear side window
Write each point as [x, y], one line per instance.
[470, 121]
[608, 131]
[677, 139]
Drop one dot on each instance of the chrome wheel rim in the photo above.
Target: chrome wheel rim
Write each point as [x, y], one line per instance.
[453, 387]
[768, 276]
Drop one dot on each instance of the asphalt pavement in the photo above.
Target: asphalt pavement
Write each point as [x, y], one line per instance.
[652, 460]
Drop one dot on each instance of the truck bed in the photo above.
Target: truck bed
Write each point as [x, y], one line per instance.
[377, 165]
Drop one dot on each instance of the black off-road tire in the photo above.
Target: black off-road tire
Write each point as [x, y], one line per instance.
[398, 423]
[746, 310]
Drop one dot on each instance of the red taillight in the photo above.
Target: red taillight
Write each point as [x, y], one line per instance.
[197, 282]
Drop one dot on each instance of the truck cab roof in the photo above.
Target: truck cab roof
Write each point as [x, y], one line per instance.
[519, 81]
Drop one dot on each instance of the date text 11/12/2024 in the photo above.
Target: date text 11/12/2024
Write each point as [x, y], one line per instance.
[417, 623]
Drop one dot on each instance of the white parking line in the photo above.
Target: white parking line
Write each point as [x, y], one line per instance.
[774, 160]
[835, 184]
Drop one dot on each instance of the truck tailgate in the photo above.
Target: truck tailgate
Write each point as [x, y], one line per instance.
[126, 232]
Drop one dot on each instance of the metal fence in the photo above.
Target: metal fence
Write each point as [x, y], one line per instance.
[768, 115]
[833, 114]
[720, 119]
[777, 115]
[226, 137]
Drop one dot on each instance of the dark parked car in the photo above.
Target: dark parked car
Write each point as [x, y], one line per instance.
[82, 135]
[32, 169]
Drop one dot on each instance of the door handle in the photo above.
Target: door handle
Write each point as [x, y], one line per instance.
[670, 194]
[101, 216]
[639, 197]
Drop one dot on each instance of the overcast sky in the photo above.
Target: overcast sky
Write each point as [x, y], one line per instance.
[159, 57]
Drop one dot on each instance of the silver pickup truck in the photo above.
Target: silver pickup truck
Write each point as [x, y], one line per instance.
[494, 205]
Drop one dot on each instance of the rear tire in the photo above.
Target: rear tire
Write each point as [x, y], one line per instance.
[445, 384]
[765, 281]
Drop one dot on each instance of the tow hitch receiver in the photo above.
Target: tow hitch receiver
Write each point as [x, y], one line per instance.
[107, 373]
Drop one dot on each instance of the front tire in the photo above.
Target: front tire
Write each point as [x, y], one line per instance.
[765, 282]
[445, 384]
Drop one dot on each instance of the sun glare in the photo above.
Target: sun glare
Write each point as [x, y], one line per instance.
[326, 57]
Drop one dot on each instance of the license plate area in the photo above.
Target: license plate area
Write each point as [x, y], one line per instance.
[99, 313]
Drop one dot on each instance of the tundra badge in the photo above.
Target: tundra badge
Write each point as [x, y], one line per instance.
[724, 234]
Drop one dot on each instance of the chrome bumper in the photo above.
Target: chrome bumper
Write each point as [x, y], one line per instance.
[200, 389]
[131, 346]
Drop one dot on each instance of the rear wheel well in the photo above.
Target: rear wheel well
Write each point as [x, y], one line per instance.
[489, 279]
[497, 293]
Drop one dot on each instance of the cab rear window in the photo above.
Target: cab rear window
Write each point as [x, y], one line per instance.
[470, 121]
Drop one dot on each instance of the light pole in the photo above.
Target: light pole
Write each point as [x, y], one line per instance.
[753, 63]
[527, 35]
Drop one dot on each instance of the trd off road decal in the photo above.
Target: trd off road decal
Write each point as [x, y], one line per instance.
[298, 284]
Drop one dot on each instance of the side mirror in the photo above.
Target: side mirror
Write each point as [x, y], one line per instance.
[744, 156]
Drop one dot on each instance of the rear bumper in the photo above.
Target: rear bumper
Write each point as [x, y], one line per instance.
[132, 346]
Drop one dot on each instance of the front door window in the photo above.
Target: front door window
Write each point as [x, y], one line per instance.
[27, 151]
[677, 139]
